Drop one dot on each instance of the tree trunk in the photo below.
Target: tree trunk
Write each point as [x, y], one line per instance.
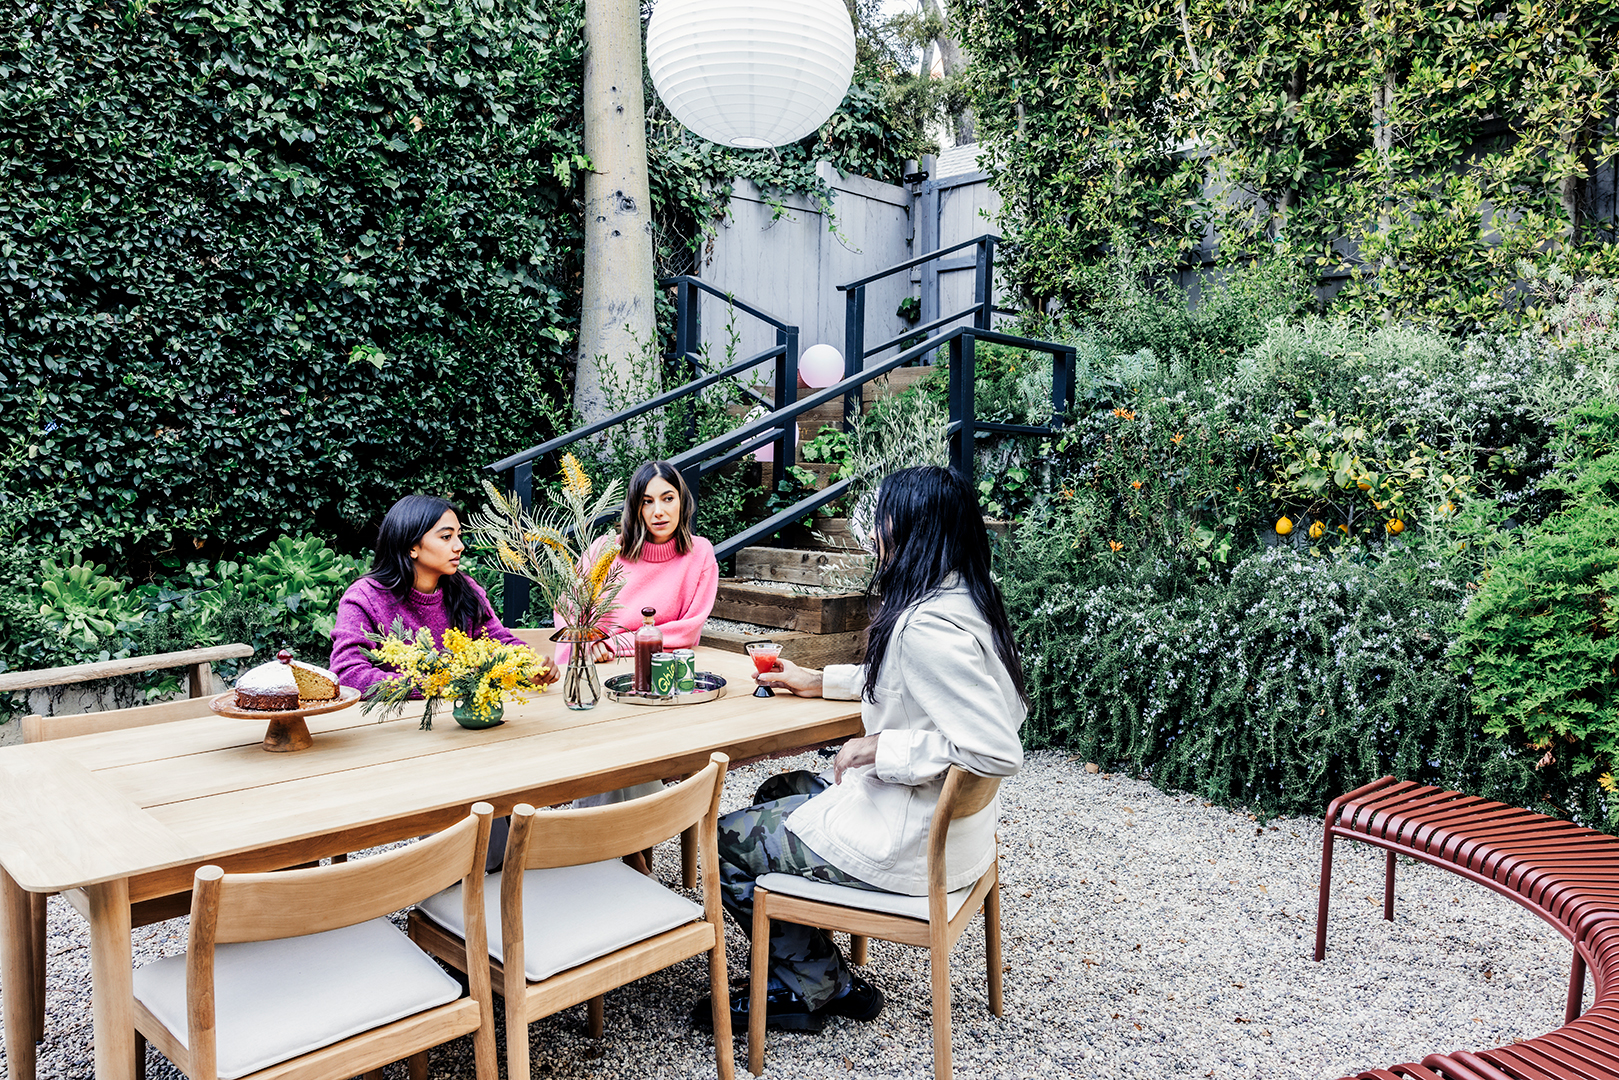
[954, 61]
[616, 309]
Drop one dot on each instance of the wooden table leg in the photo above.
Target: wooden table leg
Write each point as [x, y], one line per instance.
[112, 980]
[17, 977]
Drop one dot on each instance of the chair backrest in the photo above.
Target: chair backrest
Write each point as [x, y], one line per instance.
[574, 837]
[295, 903]
[37, 728]
[964, 794]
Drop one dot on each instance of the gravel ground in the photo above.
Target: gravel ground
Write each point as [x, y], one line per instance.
[1146, 935]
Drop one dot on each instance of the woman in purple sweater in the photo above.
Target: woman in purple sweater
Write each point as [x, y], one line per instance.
[415, 577]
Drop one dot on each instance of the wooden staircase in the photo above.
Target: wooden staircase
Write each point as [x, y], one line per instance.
[800, 590]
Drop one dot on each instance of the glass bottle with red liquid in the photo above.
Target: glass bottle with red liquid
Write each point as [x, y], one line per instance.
[648, 640]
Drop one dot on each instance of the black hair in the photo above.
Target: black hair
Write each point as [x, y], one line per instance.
[929, 527]
[632, 528]
[407, 522]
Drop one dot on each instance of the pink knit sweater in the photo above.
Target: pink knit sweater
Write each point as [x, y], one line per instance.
[680, 587]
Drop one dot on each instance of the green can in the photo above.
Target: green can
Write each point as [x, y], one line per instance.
[665, 674]
[686, 681]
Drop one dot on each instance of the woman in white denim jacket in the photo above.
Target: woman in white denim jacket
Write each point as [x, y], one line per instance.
[942, 686]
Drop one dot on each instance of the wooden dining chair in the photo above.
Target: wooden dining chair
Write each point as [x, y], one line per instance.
[37, 728]
[933, 922]
[572, 922]
[299, 973]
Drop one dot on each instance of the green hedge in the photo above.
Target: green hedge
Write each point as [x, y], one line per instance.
[266, 266]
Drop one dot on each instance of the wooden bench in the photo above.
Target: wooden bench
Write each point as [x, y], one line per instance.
[1565, 873]
[197, 662]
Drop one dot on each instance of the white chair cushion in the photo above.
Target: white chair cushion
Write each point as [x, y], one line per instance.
[275, 1000]
[911, 907]
[572, 914]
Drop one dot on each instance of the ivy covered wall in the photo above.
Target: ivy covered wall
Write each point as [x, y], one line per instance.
[1423, 149]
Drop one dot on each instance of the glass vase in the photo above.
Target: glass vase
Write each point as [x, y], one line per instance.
[581, 686]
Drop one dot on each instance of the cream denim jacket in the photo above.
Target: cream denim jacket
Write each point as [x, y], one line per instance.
[943, 698]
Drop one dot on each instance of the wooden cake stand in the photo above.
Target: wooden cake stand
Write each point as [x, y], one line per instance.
[287, 731]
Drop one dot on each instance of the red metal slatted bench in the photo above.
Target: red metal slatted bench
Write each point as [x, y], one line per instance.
[1566, 874]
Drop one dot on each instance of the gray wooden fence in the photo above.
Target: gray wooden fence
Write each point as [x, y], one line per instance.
[787, 256]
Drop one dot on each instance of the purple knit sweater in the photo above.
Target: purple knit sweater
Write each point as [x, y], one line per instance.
[367, 607]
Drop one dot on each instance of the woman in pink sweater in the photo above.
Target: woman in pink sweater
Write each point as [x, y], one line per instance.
[666, 567]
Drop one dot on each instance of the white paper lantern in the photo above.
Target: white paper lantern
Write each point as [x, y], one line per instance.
[750, 73]
[820, 365]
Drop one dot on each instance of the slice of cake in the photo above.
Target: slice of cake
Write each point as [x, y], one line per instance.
[314, 683]
[268, 688]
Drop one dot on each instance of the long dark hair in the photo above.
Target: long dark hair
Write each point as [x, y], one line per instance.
[929, 527]
[408, 520]
[632, 527]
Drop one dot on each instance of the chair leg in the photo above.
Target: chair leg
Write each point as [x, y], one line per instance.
[647, 855]
[516, 1036]
[372, 1074]
[1576, 989]
[1388, 887]
[140, 1056]
[36, 918]
[417, 1063]
[340, 857]
[939, 965]
[596, 1015]
[992, 946]
[757, 975]
[1326, 891]
[688, 858]
[720, 994]
[857, 949]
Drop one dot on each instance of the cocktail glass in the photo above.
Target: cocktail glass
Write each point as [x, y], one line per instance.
[765, 654]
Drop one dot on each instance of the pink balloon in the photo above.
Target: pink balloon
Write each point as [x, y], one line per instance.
[820, 365]
[767, 452]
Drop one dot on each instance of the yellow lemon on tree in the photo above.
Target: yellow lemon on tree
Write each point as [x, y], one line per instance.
[1317, 529]
[1395, 526]
[1284, 526]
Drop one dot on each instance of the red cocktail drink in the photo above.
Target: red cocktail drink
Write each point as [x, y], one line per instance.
[765, 654]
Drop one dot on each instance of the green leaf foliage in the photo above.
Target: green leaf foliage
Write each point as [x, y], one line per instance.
[1412, 152]
[1540, 640]
[210, 211]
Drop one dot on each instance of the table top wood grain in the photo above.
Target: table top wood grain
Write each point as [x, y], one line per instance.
[153, 803]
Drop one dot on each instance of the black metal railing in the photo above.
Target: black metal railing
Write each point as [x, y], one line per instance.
[780, 426]
[981, 310]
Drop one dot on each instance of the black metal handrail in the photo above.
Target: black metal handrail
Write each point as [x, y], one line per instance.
[854, 318]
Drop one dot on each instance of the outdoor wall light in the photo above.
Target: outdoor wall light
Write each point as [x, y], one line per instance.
[751, 73]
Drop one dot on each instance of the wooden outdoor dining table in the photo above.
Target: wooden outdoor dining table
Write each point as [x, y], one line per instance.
[130, 815]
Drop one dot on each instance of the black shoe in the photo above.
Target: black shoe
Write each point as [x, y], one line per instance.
[862, 1001]
[784, 1011]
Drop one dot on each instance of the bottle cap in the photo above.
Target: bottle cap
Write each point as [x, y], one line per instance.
[649, 612]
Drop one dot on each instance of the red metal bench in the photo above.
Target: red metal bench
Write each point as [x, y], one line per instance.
[1566, 874]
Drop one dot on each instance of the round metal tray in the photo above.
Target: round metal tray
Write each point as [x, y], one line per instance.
[707, 687]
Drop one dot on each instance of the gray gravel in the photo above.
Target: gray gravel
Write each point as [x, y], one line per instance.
[1146, 935]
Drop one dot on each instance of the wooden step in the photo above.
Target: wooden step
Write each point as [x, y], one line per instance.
[796, 566]
[808, 650]
[826, 534]
[780, 606]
